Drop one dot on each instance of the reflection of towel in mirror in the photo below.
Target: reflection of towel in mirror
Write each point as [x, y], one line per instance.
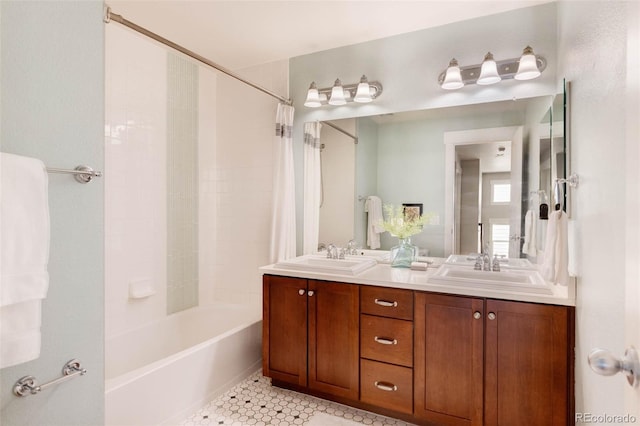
[373, 206]
[529, 246]
[555, 265]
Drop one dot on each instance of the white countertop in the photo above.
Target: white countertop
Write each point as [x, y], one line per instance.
[384, 275]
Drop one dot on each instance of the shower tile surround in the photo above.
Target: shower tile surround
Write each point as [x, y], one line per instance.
[235, 180]
[255, 402]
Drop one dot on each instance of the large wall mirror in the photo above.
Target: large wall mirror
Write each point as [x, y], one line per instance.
[478, 168]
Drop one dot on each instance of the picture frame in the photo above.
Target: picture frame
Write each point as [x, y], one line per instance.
[412, 211]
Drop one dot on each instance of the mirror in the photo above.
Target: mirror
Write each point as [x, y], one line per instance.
[472, 166]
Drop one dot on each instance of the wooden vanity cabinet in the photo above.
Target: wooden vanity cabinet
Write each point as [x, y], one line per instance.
[448, 381]
[310, 334]
[386, 348]
[492, 362]
[528, 364]
[452, 361]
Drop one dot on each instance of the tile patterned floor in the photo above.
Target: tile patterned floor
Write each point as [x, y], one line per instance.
[255, 402]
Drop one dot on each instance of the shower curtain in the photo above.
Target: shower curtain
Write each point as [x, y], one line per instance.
[312, 186]
[283, 218]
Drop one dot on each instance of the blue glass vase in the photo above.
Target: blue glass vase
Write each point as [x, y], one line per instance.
[403, 254]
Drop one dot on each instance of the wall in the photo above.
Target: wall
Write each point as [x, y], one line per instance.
[604, 155]
[53, 108]
[469, 206]
[338, 177]
[243, 181]
[408, 66]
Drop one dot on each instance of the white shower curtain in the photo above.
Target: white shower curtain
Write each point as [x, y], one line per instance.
[312, 186]
[283, 218]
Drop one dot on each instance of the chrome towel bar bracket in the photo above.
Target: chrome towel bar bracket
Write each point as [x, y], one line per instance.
[28, 386]
[83, 174]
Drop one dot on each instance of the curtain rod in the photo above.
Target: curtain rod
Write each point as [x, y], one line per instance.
[330, 124]
[110, 16]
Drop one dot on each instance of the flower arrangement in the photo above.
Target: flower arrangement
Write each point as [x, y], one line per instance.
[398, 225]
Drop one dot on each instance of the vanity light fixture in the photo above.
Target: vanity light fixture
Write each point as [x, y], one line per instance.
[313, 97]
[339, 94]
[452, 78]
[488, 71]
[526, 67]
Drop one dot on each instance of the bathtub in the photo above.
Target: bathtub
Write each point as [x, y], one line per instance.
[161, 373]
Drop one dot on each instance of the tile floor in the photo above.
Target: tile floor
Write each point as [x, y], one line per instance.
[255, 402]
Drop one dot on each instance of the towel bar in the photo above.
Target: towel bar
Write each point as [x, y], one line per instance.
[83, 174]
[28, 386]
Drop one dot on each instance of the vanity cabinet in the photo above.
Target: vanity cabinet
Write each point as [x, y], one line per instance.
[386, 348]
[310, 334]
[427, 358]
[492, 362]
[449, 353]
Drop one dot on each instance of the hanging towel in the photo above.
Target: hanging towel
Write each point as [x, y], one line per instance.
[373, 207]
[24, 254]
[529, 246]
[555, 264]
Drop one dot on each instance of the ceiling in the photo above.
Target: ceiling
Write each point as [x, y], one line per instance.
[238, 34]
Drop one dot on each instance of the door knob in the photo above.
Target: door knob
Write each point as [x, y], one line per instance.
[605, 363]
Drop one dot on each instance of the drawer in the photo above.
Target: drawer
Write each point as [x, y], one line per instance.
[386, 302]
[386, 339]
[386, 386]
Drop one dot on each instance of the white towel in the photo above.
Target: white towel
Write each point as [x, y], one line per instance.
[373, 206]
[529, 246]
[555, 264]
[24, 254]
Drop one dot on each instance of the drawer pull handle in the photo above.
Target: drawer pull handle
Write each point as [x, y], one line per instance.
[301, 292]
[389, 387]
[385, 303]
[385, 341]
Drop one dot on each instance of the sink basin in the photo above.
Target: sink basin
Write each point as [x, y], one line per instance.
[524, 280]
[352, 265]
[470, 260]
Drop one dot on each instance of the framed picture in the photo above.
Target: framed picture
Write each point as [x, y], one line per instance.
[412, 211]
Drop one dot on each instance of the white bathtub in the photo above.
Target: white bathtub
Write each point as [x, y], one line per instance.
[161, 373]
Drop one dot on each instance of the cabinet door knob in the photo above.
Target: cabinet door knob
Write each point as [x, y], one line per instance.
[389, 387]
[477, 315]
[605, 363]
[385, 341]
[301, 292]
[310, 293]
[491, 316]
[385, 303]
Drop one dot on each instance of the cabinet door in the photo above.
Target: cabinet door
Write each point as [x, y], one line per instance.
[527, 371]
[284, 329]
[334, 324]
[448, 362]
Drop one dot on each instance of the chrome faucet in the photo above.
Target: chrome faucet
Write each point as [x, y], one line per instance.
[486, 258]
[352, 247]
[332, 251]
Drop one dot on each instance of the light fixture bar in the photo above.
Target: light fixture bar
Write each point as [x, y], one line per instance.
[507, 70]
[324, 94]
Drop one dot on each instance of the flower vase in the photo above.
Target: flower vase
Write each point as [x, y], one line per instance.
[403, 254]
